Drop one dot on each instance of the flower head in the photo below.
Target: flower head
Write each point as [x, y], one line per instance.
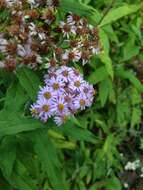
[63, 95]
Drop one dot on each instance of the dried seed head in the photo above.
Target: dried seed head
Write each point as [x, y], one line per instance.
[53, 62]
[58, 51]
[86, 54]
[43, 48]
[73, 43]
[10, 64]
[76, 18]
[2, 4]
[11, 48]
[32, 14]
[30, 59]
[55, 3]
[49, 16]
[35, 46]
[14, 30]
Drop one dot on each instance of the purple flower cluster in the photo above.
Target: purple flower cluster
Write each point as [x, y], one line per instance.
[65, 92]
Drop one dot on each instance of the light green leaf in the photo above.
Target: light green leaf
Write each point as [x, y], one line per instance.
[15, 98]
[21, 179]
[104, 40]
[136, 116]
[47, 155]
[29, 81]
[104, 91]
[77, 133]
[13, 124]
[130, 49]
[112, 183]
[127, 74]
[117, 13]
[108, 63]
[98, 75]
[81, 9]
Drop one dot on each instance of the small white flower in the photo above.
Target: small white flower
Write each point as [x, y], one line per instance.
[132, 165]
[65, 55]
[3, 44]
[75, 55]
[10, 3]
[42, 36]
[67, 29]
[126, 185]
[33, 3]
[32, 29]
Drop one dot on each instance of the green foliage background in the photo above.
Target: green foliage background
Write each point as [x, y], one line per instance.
[84, 154]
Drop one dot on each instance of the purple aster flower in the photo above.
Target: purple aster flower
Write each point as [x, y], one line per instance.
[47, 93]
[56, 84]
[80, 102]
[65, 73]
[77, 84]
[44, 106]
[60, 106]
[61, 119]
[34, 110]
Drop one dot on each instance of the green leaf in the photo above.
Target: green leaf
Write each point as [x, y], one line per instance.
[47, 155]
[108, 63]
[104, 91]
[112, 183]
[117, 13]
[98, 75]
[15, 98]
[104, 40]
[7, 155]
[81, 9]
[77, 133]
[127, 74]
[21, 179]
[29, 81]
[11, 124]
[130, 49]
[136, 116]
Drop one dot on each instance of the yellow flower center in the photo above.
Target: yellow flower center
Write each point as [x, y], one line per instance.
[47, 95]
[65, 73]
[34, 112]
[64, 118]
[82, 102]
[55, 86]
[77, 83]
[45, 108]
[61, 107]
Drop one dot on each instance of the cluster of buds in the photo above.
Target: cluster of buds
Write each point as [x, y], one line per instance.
[64, 93]
[36, 38]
